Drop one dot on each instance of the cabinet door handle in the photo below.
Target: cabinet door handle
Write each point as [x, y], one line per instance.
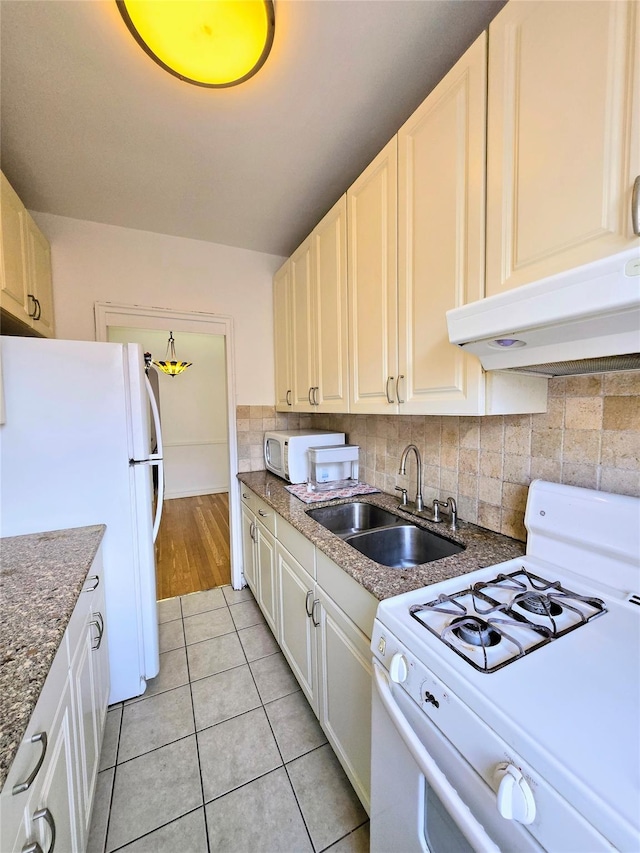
[315, 395]
[306, 603]
[38, 737]
[635, 207]
[95, 578]
[288, 397]
[46, 814]
[33, 311]
[389, 379]
[263, 513]
[398, 388]
[310, 395]
[34, 847]
[315, 621]
[252, 529]
[38, 310]
[99, 623]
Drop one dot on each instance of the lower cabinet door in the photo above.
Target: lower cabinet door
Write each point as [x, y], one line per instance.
[266, 573]
[296, 590]
[248, 549]
[53, 808]
[345, 693]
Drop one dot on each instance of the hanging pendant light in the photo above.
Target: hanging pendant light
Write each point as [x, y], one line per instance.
[171, 366]
[214, 43]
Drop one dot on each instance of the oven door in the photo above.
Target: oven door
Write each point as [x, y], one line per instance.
[415, 808]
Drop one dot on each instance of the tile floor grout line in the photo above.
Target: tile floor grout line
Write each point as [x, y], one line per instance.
[342, 837]
[162, 826]
[195, 731]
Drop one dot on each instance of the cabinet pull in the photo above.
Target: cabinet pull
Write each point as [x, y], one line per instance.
[38, 737]
[310, 395]
[635, 207]
[306, 603]
[38, 313]
[33, 847]
[389, 379]
[288, 397]
[95, 578]
[315, 395]
[263, 513]
[32, 311]
[99, 623]
[245, 496]
[316, 601]
[398, 388]
[46, 814]
[252, 528]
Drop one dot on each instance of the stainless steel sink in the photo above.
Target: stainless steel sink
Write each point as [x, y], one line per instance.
[346, 519]
[403, 546]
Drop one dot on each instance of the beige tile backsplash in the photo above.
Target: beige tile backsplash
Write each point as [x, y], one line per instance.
[589, 436]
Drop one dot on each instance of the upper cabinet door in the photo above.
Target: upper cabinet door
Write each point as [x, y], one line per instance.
[13, 269]
[304, 328]
[441, 197]
[563, 146]
[282, 337]
[38, 256]
[329, 257]
[372, 271]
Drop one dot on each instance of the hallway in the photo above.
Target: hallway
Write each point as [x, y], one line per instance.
[192, 549]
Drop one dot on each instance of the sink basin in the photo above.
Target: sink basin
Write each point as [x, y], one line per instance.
[346, 519]
[403, 546]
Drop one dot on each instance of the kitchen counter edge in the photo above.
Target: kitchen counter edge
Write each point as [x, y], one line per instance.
[41, 578]
[482, 547]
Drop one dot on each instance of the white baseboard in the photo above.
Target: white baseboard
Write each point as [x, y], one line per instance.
[189, 493]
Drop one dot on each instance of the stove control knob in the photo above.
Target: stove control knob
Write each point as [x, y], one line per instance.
[515, 797]
[398, 668]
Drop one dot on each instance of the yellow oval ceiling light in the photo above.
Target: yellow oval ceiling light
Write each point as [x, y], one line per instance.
[213, 43]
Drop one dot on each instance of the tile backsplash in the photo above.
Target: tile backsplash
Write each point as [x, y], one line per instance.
[589, 436]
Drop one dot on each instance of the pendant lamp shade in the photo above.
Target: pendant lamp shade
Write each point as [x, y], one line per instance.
[214, 43]
[171, 366]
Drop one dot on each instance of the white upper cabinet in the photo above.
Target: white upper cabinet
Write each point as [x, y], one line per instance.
[329, 259]
[563, 142]
[282, 337]
[26, 288]
[372, 211]
[303, 328]
[441, 170]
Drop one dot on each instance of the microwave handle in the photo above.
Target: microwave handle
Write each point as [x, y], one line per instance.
[267, 452]
[473, 831]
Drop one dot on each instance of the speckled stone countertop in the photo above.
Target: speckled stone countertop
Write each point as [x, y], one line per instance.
[41, 576]
[482, 547]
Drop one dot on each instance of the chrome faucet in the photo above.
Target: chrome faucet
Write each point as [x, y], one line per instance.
[403, 470]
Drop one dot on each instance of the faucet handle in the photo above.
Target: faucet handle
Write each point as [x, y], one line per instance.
[403, 501]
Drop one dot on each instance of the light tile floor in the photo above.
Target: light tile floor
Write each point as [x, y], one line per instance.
[222, 754]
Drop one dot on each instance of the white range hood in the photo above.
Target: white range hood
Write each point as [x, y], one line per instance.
[583, 321]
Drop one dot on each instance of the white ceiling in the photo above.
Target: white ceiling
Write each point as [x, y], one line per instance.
[93, 129]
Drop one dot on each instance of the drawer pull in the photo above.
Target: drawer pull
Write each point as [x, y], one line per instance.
[306, 603]
[34, 847]
[245, 496]
[95, 578]
[99, 623]
[46, 814]
[316, 601]
[263, 513]
[39, 737]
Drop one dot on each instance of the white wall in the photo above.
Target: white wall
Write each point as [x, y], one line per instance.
[192, 409]
[104, 263]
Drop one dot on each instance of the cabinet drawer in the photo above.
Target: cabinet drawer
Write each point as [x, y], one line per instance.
[265, 514]
[357, 602]
[297, 545]
[247, 497]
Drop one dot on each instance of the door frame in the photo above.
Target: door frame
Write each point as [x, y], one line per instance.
[140, 317]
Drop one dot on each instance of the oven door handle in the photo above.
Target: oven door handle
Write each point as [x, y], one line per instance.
[473, 831]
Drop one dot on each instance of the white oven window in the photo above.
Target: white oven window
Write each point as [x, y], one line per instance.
[441, 833]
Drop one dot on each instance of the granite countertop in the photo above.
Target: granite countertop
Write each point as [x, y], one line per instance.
[41, 577]
[482, 547]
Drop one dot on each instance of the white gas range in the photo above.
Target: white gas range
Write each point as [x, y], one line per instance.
[506, 711]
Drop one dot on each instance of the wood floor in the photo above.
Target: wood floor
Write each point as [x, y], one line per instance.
[192, 548]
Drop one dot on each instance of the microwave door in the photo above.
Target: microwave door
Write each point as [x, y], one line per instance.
[273, 455]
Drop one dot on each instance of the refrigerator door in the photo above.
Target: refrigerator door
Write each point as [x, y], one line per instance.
[65, 450]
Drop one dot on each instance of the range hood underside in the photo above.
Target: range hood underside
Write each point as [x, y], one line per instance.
[604, 364]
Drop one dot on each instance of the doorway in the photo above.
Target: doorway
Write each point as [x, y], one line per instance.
[199, 528]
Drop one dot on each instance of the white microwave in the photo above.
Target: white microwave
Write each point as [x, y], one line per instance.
[285, 451]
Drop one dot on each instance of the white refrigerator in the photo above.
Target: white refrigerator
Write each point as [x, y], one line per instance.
[75, 450]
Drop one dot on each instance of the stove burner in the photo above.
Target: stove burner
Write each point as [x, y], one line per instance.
[475, 632]
[538, 603]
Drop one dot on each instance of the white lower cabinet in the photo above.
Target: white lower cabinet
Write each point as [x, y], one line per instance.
[266, 575]
[259, 553]
[48, 793]
[323, 623]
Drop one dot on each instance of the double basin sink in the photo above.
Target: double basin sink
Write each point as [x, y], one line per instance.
[383, 536]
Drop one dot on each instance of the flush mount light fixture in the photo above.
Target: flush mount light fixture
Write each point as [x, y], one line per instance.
[171, 366]
[507, 343]
[215, 43]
